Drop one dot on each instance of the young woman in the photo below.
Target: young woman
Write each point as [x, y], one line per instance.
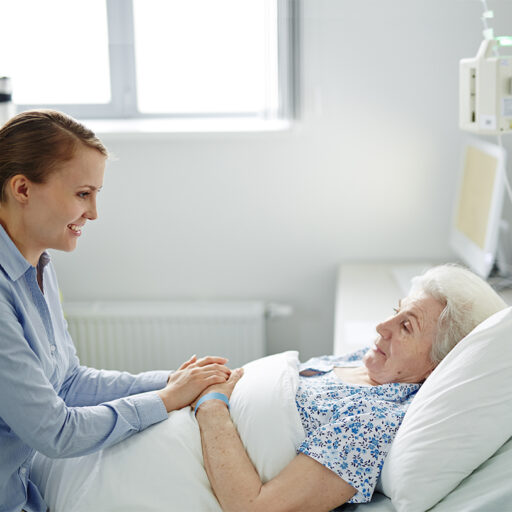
[51, 170]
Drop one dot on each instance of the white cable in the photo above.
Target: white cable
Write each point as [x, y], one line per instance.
[488, 14]
[484, 17]
[488, 32]
[500, 143]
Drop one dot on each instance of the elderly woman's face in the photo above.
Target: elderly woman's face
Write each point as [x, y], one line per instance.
[401, 353]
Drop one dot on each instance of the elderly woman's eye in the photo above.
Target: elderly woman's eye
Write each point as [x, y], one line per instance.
[396, 310]
[407, 326]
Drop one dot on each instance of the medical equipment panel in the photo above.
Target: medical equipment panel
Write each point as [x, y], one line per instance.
[485, 94]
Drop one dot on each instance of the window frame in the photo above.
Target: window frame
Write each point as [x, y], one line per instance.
[123, 85]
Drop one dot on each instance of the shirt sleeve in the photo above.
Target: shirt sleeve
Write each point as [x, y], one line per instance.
[354, 447]
[84, 386]
[35, 412]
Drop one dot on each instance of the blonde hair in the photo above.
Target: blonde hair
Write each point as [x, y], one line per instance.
[468, 300]
[35, 142]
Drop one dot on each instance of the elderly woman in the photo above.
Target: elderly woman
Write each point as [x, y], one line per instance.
[350, 407]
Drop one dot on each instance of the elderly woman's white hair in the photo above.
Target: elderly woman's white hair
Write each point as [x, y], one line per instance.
[468, 301]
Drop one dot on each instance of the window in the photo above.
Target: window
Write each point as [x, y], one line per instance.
[150, 58]
[48, 50]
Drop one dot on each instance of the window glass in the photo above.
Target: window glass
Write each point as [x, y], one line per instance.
[56, 51]
[204, 56]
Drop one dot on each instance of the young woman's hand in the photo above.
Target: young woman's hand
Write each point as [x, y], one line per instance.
[191, 379]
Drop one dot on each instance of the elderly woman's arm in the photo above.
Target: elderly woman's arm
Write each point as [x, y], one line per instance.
[303, 485]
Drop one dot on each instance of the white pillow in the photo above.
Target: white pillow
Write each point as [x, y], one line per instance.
[461, 415]
[264, 411]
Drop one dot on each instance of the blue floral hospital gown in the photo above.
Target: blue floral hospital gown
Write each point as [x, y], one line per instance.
[349, 428]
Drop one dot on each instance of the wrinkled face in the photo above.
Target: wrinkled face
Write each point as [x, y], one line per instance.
[58, 209]
[401, 353]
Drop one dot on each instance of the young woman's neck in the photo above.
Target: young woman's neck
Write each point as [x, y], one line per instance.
[15, 232]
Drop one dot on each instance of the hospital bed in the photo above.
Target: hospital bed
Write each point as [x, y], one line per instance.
[452, 452]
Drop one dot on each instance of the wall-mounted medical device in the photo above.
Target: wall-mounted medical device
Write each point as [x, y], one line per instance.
[476, 218]
[485, 94]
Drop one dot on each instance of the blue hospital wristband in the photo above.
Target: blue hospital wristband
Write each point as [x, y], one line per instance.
[212, 396]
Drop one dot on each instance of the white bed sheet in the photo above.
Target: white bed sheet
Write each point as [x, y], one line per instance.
[379, 503]
[488, 488]
[161, 468]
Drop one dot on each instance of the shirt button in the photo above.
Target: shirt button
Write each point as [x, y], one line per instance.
[23, 471]
[53, 348]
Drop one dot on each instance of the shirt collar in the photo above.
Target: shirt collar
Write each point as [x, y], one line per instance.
[11, 259]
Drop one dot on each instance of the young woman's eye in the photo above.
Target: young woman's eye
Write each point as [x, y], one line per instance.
[83, 195]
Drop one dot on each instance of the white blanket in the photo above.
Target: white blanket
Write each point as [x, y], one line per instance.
[161, 469]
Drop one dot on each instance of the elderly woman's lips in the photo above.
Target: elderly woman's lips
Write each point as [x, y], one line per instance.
[377, 349]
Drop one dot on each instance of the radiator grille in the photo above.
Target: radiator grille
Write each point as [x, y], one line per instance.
[139, 336]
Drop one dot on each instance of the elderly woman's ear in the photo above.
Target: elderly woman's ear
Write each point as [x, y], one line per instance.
[429, 373]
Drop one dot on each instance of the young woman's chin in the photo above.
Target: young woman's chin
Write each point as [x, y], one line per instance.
[67, 245]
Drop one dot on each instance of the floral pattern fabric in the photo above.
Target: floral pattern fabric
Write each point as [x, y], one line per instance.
[349, 428]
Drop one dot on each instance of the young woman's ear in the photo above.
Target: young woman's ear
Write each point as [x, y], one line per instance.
[18, 188]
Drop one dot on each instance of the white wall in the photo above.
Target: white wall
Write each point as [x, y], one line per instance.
[367, 173]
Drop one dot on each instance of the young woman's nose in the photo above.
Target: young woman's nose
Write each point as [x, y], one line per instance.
[92, 212]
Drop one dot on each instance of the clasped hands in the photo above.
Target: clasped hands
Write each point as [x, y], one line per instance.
[196, 377]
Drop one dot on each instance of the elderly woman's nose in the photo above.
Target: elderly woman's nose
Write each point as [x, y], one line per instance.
[384, 328]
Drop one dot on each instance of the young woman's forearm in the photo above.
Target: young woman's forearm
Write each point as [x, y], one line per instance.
[232, 475]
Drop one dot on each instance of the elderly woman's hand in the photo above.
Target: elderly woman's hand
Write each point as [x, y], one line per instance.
[226, 388]
[191, 379]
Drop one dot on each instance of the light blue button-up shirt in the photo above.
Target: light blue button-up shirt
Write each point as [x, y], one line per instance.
[48, 402]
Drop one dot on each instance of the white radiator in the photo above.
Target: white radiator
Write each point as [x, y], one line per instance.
[139, 336]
